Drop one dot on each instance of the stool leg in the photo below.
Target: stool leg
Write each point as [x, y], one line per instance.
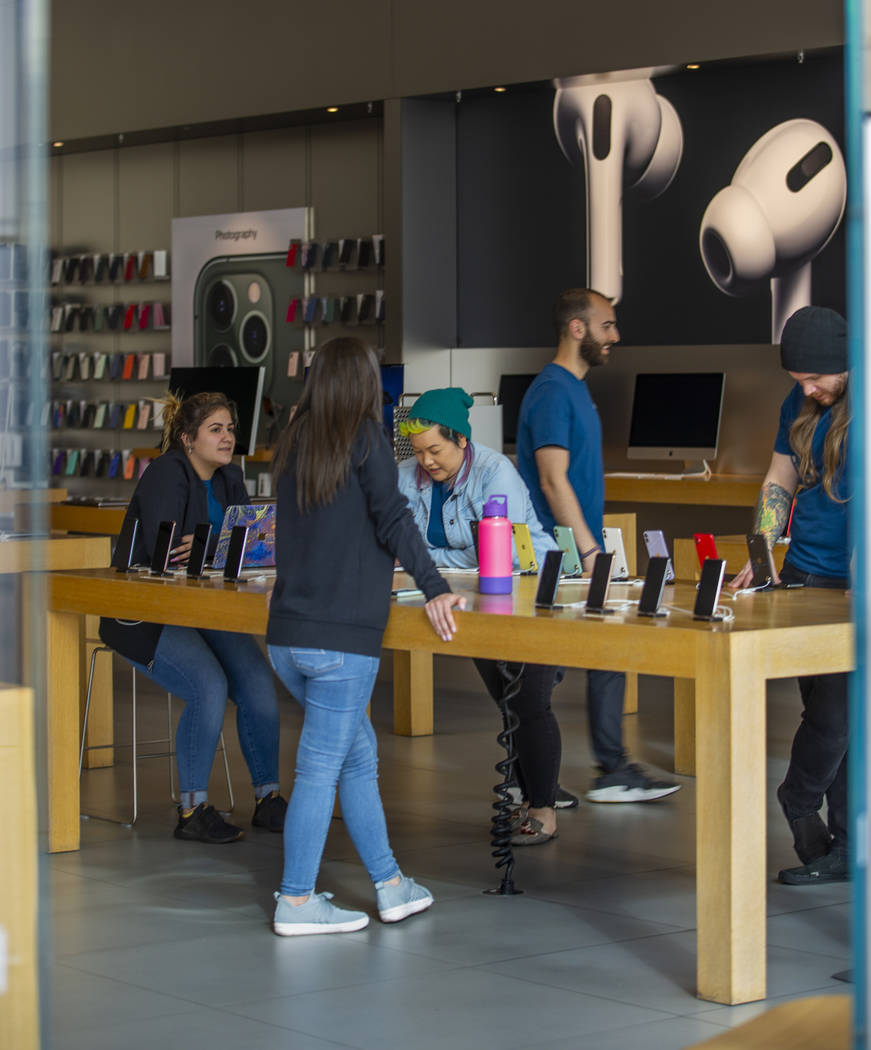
[87, 709]
[171, 754]
[135, 760]
[223, 750]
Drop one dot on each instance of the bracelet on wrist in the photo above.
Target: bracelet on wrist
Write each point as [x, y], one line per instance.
[592, 550]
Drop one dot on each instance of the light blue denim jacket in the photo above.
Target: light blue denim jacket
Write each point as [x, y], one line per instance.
[491, 474]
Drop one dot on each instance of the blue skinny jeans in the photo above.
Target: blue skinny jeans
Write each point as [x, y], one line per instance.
[337, 747]
[203, 668]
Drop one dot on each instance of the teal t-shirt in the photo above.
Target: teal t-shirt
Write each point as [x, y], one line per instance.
[216, 511]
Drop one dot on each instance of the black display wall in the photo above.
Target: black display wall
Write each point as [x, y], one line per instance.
[521, 210]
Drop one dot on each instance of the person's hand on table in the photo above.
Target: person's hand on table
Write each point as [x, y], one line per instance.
[438, 610]
[745, 578]
[180, 554]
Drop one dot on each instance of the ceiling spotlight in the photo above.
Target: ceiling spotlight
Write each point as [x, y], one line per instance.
[692, 65]
[500, 90]
[57, 145]
[332, 109]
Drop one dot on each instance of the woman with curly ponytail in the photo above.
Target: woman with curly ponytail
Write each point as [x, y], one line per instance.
[193, 481]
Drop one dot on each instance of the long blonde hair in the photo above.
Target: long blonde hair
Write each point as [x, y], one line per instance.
[801, 439]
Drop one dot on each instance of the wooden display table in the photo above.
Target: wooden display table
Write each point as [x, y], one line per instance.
[74, 517]
[820, 1022]
[720, 490]
[686, 567]
[777, 634]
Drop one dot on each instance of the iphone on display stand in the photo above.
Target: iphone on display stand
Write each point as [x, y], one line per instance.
[761, 561]
[565, 540]
[160, 558]
[548, 579]
[705, 547]
[654, 541]
[600, 581]
[235, 552]
[612, 540]
[654, 585]
[713, 571]
[523, 545]
[123, 554]
[199, 546]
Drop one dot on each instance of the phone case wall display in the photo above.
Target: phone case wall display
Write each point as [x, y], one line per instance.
[110, 464]
[74, 315]
[71, 365]
[73, 414]
[110, 267]
[345, 303]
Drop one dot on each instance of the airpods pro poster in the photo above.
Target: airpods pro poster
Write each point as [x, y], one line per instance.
[710, 230]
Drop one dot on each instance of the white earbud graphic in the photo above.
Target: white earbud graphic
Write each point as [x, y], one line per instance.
[782, 207]
[625, 135]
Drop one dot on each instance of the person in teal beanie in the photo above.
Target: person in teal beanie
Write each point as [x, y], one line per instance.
[447, 485]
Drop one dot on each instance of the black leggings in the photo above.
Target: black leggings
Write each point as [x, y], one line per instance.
[538, 742]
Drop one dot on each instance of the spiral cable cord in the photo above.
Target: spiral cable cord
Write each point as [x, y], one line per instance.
[500, 834]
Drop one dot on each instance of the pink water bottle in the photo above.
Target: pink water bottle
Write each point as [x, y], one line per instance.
[495, 554]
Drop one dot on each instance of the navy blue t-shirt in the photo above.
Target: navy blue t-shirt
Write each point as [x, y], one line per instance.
[435, 532]
[558, 410]
[818, 541]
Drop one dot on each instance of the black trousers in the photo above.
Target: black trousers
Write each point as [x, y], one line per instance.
[818, 762]
[538, 741]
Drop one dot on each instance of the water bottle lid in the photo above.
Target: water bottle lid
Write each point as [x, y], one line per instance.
[496, 507]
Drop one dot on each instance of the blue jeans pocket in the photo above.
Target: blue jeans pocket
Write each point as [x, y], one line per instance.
[311, 662]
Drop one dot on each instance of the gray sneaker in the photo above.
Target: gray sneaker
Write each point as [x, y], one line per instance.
[629, 783]
[317, 915]
[398, 902]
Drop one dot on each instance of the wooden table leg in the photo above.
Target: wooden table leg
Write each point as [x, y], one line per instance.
[685, 727]
[730, 817]
[64, 633]
[19, 998]
[412, 693]
[630, 697]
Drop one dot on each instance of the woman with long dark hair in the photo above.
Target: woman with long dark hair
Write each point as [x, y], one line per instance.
[341, 524]
[194, 481]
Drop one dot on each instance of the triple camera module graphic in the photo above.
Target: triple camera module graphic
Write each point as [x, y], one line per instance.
[783, 205]
[235, 314]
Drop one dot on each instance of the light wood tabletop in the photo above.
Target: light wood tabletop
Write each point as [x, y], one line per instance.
[719, 490]
[776, 634]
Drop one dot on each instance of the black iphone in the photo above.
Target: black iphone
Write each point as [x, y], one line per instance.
[761, 560]
[123, 554]
[599, 584]
[548, 579]
[235, 552]
[713, 571]
[654, 585]
[160, 557]
[199, 546]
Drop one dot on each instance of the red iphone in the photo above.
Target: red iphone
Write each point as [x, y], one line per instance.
[705, 546]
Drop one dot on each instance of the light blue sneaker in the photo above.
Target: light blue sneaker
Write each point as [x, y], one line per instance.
[317, 915]
[398, 902]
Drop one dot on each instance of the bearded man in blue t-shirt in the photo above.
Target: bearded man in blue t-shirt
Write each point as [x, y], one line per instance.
[559, 456]
[809, 464]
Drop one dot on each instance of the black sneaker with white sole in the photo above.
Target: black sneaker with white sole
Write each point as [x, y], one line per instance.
[629, 783]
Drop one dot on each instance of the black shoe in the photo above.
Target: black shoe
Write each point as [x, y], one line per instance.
[810, 836]
[832, 867]
[206, 824]
[269, 812]
[629, 783]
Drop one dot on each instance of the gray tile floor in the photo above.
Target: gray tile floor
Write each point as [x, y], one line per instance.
[159, 943]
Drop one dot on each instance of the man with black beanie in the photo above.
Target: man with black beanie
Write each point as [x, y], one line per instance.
[809, 463]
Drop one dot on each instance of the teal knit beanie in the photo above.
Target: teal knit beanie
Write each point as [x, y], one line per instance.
[448, 406]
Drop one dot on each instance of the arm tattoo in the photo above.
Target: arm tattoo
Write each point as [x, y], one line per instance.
[772, 511]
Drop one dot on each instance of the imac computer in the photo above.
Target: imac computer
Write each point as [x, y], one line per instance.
[511, 391]
[243, 386]
[676, 415]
